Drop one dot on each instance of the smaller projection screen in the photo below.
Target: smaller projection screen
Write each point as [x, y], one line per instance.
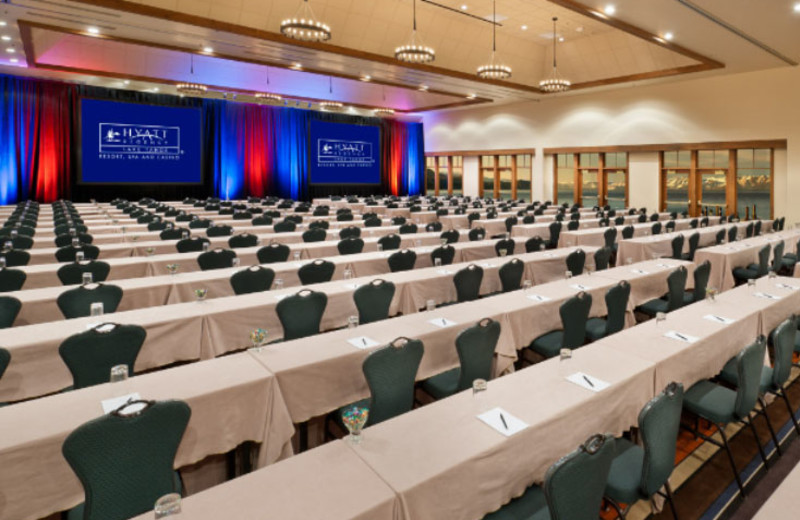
[343, 153]
[132, 143]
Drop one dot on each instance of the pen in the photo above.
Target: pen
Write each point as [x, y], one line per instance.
[681, 336]
[444, 322]
[504, 421]
[588, 381]
[718, 318]
[364, 341]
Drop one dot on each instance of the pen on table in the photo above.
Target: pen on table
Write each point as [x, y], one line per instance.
[504, 421]
[444, 321]
[364, 341]
[588, 381]
[681, 336]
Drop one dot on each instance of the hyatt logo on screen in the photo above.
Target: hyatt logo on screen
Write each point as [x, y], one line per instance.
[338, 153]
[130, 141]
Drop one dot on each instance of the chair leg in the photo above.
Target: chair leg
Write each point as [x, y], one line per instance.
[671, 500]
[617, 508]
[791, 412]
[749, 422]
[769, 425]
[730, 459]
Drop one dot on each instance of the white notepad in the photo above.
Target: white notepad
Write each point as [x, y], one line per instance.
[640, 271]
[495, 417]
[786, 286]
[718, 319]
[442, 322]
[279, 297]
[109, 405]
[352, 286]
[680, 336]
[588, 382]
[538, 298]
[580, 287]
[767, 296]
[443, 271]
[363, 342]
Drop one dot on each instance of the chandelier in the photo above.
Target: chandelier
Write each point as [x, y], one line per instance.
[383, 112]
[189, 88]
[494, 69]
[331, 106]
[555, 83]
[304, 26]
[267, 97]
[415, 51]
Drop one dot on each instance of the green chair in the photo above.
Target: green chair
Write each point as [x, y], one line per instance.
[475, 347]
[445, 254]
[402, 260]
[319, 224]
[534, 244]
[76, 303]
[390, 242]
[69, 253]
[748, 231]
[655, 229]
[390, 373]
[790, 259]
[273, 253]
[65, 229]
[574, 315]
[511, 274]
[286, 226]
[344, 217]
[432, 227]
[373, 222]
[12, 279]
[555, 234]
[5, 360]
[694, 242]
[602, 258]
[721, 405]
[701, 275]
[573, 225]
[398, 221]
[315, 235]
[468, 283]
[374, 300]
[773, 379]
[262, 220]
[627, 232]
[617, 304]
[408, 229]
[19, 242]
[639, 472]
[9, 309]
[216, 259]
[350, 246]
[451, 236]
[777, 257]
[301, 314]
[720, 237]
[242, 240]
[219, 231]
[610, 238]
[573, 487]
[72, 274]
[676, 285]
[753, 271]
[576, 260]
[91, 354]
[252, 280]
[124, 460]
[677, 247]
[172, 234]
[505, 244]
[476, 234]
[318, 271]
[191, 244]
[157, 226]
[349, 232]
[732, 232]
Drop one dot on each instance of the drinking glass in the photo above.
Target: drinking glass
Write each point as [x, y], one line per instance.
[119, 373]
[660, 317]
[296, 255]
[437, 262]
[206, 246]
[87, 278]
[354, 419]
[348, 274]
[168, 505]
[417, 242]
[430, 305]
[567, 274]
[75, 242]
[184, 234]
[96, 309]
[503, 252]
[173, 268]
[751, 283]
[278, 284]
[565, 364]
[629, 261]
[380, 247]
[235, 261]
[772, 274]
[200, 294]
[2, 262]
[526, 284]
[352, 322]
[150, 251]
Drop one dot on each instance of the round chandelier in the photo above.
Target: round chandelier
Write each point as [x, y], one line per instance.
[304, 26]
[415, 51]
[555, 83]
[383, 112]
[266, 97]
[331, 106]
[494, 69]
[191, 89]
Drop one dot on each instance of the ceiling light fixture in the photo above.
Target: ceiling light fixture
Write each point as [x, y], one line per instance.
[10, 50]
[415, 51]
[93, 30]
[126, 82]
[524, 27]
[383, 112]
[156, 89]
[305, 26]
[191, 89]
[464, 7]
[555, 83]
[668, 36]
[471, 96]
[423, 88]
[296, 66]
[14, 60]
[366, 77]
[609, 9]
[208, 50]
[267, 97]
[494, 69]
[3, 23]
[797, 7]
[5, 38]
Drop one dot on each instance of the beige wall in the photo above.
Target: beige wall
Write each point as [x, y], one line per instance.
[759, 105]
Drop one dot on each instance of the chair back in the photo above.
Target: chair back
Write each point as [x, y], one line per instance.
[91, 354]
[374, 300]
[408, 229]
[748, 231]
[433, 226]
[124, 462]
[76, 303]
[505, 244]
[402, 260]
[12, 279]
[677, 247]
[398, 221]
[676, 284]
[602, 257]
[763, 260]
[318, 271]
[444, 253]
[783, 340]
[573, 225]
[5, 359]
[656, 228]
[757, 228]
[9, 309]
[391, 372]
[345, 217]
[252, 280]
[301, 314]
[732, 232]
[191, 245]
[263, 220]
[319, 224]
[451, 235]
[534, 244]
[574, 486]
[510, 222]
[273, 253]
[694, 242]
[476, 234]
[610, 237]
[219, 231]
[285, 226]
[627, 232]
[576, 261]
[617, 304]
[67, 253]
[216, 259]
[468, 283]
[475, 347]
[314, 235]
[555, 233]
[350, 232]
[749, 364]
[574, 315]
[172, 234]
[242, 240]
[390, 242]
[511, 274]
[720, 238]
[659, 422]
[777, 256]
[350, 246]
[72, 274]
[693, 223]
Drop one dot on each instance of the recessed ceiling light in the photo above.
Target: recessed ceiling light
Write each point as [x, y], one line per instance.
[668, 36]
[93, 30]
[126, 82]
[609, 9]
[366, 77]
[796, 9]
[524, 27]
[3, 23]
[10, 50]
[464, 7]
[5, 38]
[296, 66]
[423, 88]
[471, 96]
[14, 60]
[155, 89]
[579, 29]
[208, 49]
[561, 38]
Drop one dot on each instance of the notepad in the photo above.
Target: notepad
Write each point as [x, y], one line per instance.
[538, 298]
[443, 271]
[109, 405]
[786, 286]
[442, 322]
[718, 319]
[680, 336]
[279, 297]
[665, 266]
[640, 271]
[588, 382]
[767, 296]
[580, 287]
[503, 422]
[363, 342]
[352, 286]
[487, 265]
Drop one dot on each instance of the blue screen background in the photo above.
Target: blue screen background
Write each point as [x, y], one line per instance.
[135, 143]
[342, 153]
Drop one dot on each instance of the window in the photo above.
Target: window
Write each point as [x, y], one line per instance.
[505, 166]
[712, 167]
[754, 183]
[443, 176]
[524, 176]
[589, 164]
[565, 178]
[487, 176]
[616, 180]
[430, 175]
[676, 167]
[458, 174]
